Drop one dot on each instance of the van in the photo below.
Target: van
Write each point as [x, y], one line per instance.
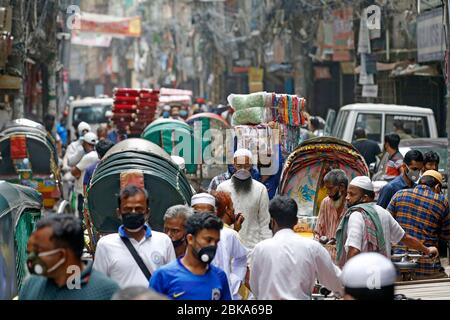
[90, 110]
[378, 120]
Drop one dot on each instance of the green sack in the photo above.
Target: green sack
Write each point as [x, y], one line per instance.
[249, 116]
[247, 101]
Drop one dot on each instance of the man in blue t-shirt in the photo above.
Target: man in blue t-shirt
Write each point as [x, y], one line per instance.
[192, 277]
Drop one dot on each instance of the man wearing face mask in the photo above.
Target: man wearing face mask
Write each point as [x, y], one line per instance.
[250, 198]
[367, 227]
[174, 221]
[133, 254]
[54, 258]
[231, 255]
[423, 213]
[192, 277]
[333, 206]
[411, 167]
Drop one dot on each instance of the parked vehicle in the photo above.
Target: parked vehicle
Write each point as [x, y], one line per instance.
[28, 157]
[90, 110]
[20, 209]
[378, 120]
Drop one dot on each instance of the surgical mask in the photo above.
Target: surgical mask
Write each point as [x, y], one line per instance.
[413, 175]
[38, 267]
[183, 113]
[179, 242]
[133, 222]
[242, 174]
[206, 254]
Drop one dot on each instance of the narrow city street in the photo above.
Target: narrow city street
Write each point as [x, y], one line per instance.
[224, 150]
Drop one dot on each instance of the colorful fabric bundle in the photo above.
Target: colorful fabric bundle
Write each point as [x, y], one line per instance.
[288, 109]
[134, 109]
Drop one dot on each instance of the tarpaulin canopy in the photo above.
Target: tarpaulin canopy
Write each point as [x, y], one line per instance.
[305, 168]
[210, 116]
[176, 138]
[165, 182]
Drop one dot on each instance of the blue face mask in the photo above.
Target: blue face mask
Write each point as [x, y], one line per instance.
[166, 114]
[183, 113]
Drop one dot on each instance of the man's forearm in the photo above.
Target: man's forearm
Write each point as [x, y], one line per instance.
[415, 244]
[352, 252]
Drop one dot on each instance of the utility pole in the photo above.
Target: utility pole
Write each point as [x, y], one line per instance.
[16, 64]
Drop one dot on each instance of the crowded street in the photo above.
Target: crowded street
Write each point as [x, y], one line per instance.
[224, 150]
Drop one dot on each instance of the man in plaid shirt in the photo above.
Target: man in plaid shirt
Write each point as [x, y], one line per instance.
[423, 213]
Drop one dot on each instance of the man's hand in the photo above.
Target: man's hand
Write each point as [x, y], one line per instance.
[433, 252]
[238, 223]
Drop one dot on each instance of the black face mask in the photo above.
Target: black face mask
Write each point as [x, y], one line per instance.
[206, 254]
[133, 221]
[179, 242]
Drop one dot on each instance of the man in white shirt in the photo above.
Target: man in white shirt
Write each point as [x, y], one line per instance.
[231, 255]
[367, 227]
[250, 198]
[113, 258]
[78, 171]
[73, 155]
[75, 151]
[286, 266]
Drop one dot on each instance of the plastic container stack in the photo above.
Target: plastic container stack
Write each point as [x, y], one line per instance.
[134, 110]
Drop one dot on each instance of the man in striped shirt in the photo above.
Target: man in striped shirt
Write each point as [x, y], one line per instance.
[395, 161]
[423, 213]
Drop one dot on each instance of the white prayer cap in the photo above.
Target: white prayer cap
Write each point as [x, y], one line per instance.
[362, 182]
[179, 161]
[166, 108]
[243, 153]
[90, 138]
[368, 270]
[82, 127]
[203, 198]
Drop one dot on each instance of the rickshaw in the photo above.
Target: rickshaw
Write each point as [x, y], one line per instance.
[212, 129]
[20, 208]
[28, 157]
[176, 138]
[305, 168]
[151, 167]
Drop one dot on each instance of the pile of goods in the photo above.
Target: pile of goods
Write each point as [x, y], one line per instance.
[259, 113]
[134, 110]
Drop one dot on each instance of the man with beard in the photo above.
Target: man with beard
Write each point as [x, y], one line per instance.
[174, 221]
[367, 227]
[131, 256]
[332, 207]
[192, 277]
[250, 198]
